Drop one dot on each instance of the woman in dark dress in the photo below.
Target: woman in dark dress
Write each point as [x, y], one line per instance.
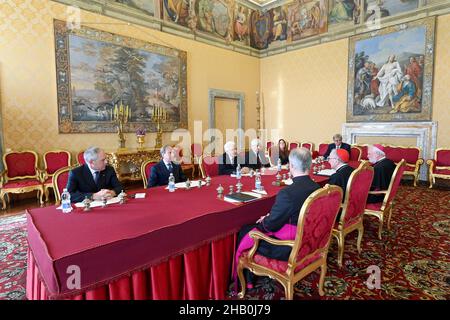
[282, 153]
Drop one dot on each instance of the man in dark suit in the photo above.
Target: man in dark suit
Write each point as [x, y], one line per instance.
[285, 211]
[338, 160]
[338, 144]
[159, 176]
[229, 160]
[383, 168]
[94, 179]
[254, 158]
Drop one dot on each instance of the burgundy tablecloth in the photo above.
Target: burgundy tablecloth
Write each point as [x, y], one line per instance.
[110, 243]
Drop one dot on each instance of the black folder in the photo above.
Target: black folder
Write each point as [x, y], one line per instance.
[241, 197]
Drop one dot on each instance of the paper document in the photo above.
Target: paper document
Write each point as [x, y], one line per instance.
[182, 185]
[326, 172]
[287, 182]
[253, 194]
[139, 195]
[98, 203]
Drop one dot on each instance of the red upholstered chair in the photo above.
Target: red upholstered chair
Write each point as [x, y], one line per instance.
[294, 145]
[80, 158]
[21, 174]
[351, 218]
[209, 166]
[364, 151]
[309, 146]
[53, 160]
[146, 168]
[322, 150]
[382, 209]
[355, 153]
[439, 167]
[411, 156]
[196, 153]
[60, 178]
[187, 167]
[269, 145]
[309, 248]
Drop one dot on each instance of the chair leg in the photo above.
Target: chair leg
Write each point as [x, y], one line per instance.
[341, 243]
[431, 178]
[323, 272]
[360, 236]
[289, 291]
[389, 217]
[240, 272]
[2, 196]
[41, 197]
[380, 227]
[416, 177]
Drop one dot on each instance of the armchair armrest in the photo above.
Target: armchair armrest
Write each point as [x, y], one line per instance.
[256, 235]
[378, 192]
[2, 178]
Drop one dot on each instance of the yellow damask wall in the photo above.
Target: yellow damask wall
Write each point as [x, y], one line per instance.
[305, 90]
[28, 81]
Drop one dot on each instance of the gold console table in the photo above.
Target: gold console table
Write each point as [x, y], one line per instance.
[127, 162]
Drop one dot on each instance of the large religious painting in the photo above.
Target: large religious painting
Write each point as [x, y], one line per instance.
[391, 73]
[97, 71]
[306, 18]
[375, 9]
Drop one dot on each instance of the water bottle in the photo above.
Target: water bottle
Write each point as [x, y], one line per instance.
[171, 183]
[238, 171]
[257, 180]
[279, 165]
[65, 201]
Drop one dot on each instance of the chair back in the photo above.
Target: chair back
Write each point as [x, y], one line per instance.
[308, 145]
[20, 165]
[269, 145]
[396, 154]
[442, 157]
[146, 168]
[358, 187]
[209, 166]
[364, 151]
[355, 153]
[56, 159]
[293, 145]
[60, 179]
[315, 224]
[323, 149]
[394, 184]
[80, 158]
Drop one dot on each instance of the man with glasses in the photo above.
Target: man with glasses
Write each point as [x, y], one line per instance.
[338, 144]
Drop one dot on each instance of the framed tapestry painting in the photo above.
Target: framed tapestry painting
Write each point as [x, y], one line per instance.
[390, 73]
[97, 71]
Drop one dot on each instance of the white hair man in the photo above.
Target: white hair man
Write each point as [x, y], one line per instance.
[383, 168]
[283, 217]
[229, 160]
[338, 160]
[94, 179]
[255, 158]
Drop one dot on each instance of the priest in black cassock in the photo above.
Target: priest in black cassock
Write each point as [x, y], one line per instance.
[383, 169]
[338, 160]
[337, 144]
[281, 222]
[255, 158]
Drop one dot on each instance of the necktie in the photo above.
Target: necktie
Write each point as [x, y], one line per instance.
[96, 175]
[170, 167]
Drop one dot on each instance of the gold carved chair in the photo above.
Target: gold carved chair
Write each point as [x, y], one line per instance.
[382, 209]
[351, 218]
[21, 175]
[146, 169]
[439, 167]
[309, 248]
[60, 179]
[53, 161]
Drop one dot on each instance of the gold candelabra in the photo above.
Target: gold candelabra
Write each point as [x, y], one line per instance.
[120, 116]
[159, 116]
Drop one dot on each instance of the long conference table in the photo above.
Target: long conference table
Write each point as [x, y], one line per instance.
[176, 245]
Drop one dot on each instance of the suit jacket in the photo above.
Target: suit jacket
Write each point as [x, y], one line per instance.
[81, 182]
[285, 210]
[332, 146]
[227, 168]
[382, 174]
[159, 176]
[341, 177]
[253, 162]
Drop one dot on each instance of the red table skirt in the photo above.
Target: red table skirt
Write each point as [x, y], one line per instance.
[200, 274]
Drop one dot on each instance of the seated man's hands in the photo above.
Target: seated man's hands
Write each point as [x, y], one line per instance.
[108, 194]
[245, 170]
